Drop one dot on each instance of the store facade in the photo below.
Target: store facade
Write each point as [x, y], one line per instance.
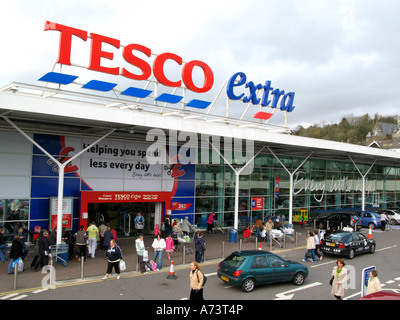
[157, 152]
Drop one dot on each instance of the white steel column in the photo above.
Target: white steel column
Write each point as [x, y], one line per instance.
[237, 173]
[363, 182]
[291, 174]
[61, 167]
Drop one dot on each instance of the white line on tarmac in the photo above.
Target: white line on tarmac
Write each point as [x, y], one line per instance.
[9, 296]
[20, 297]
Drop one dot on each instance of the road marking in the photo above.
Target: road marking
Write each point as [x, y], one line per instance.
[42, 290]
[386, 248]
[9, 296]
[20, 297]
[211, 274]
[283, 296]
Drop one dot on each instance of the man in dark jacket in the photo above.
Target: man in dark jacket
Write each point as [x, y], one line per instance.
[200, 247]
[44, 247]
[16, 252]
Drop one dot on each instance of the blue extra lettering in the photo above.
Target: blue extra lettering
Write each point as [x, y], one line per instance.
[239, 79]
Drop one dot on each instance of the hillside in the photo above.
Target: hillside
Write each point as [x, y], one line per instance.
[356, 130]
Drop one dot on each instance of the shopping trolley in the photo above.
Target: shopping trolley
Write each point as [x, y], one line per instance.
[288, 231]
[185, 242]
[60, 252]
[277, 236]
[217, 227]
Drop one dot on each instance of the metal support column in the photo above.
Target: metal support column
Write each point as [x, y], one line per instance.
[61, 167]
[291, 186]
[363, 181]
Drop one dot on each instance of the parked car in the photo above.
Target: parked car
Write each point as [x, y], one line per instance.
[382, 295]
[249, 268]
[393, 215]
[369, 219]
[339, 220]
[347, 244]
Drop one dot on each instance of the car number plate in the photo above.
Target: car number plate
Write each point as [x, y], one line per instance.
[225, 278]
[332, 244]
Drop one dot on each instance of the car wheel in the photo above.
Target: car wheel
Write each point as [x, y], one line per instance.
[393, 222]
[372, 250]
[248, 285]
[372, 226]
[351, 254]
[298, 278]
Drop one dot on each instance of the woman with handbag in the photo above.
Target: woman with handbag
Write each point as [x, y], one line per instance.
[114, 255]
[339, 280]
[196, 282]
[310, 248]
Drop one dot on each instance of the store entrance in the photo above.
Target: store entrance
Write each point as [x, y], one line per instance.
[121, 215]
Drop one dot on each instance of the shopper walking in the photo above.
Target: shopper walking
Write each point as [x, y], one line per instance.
[25, 249]
[108, 236]
[102, 230]
[114, 256]
[310, 248]
[3, 246]
[81, 243]
[140, 248]
[259, 227]
[339, 275]
[317, 245]
[384, 220]
[374, 285]
[139, 223]
[169, 245]
[44, 249]
[196, 281]
[186, 225]
[93, 238]
[268, 227]
[16, 252]
[159, 247]
[200, 247]
[210, 222]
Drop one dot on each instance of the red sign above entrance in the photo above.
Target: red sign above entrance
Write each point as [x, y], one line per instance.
[125, 196]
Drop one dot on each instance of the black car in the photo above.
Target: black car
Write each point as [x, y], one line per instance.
[339, 220]
[347, 244]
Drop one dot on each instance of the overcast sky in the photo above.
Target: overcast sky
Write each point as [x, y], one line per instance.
[340, 57]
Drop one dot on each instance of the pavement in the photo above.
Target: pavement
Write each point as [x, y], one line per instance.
[217, 247]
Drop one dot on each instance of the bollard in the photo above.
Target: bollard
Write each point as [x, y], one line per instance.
[296, 240]
[184, 255]
[256, 243]
[15, 275]
[284, 241]
[223, 250]
[240, 244]
[270, 241]
[82, 266]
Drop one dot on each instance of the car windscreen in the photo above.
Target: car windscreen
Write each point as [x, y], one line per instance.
[234, 261]
[338, 237]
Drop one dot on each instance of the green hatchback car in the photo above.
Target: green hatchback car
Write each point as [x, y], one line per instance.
[249, 268]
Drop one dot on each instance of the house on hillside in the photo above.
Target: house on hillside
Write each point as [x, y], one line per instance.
[383, 131]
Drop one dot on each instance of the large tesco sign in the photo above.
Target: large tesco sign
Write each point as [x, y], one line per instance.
[238, 88]
[128, 53]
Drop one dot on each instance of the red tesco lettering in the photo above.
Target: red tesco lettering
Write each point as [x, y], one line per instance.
[97, 54]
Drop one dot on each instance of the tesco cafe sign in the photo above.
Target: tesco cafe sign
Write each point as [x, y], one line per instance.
[245, 91]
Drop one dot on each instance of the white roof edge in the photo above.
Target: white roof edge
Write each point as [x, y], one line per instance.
[91, 111]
